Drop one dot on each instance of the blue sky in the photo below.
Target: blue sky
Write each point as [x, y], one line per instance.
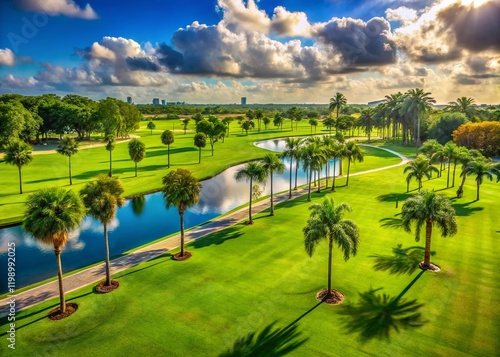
[215, 51]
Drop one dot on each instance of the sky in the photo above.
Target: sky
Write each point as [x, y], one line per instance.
[270, 51]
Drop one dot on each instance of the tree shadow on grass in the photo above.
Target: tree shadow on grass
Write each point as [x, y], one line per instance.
[403, 260]
[141, 171]
[393, 197]
[270, 342]
[378, 315]
[391, 222]
[217, 238]
[463, 209]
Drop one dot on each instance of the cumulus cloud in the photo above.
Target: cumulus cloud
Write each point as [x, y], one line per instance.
[7, 57]
[286, 23]
[237, 15]
[58, 7]
[401, 14]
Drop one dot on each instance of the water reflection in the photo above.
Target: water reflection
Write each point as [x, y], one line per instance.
[140, 221]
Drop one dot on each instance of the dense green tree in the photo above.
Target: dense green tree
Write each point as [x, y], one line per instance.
[253, 171]
[272, 164]
[167, 138]
[366, 120]
[429, 208]
[313, 122]
[213, 129]
[326, 221]
[266, 121]
[101, 197]
[443, 129]
[18, 153]
[131, 118]
[417, 169]
[464, 105]
[329, 122]
[108, 114]
[185, 123]
[68, 146]
[353, 153]
[247, 125]
[137, 151]
[200, 141]
[151, 126]
[50, 214]
[182, 190]
[227, 122]
[278, 120]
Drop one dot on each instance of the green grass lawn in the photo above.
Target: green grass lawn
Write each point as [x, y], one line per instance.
[245, 279]
[52, 169]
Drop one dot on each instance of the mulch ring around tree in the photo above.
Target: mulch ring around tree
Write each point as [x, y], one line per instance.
[103, 289]
[334, 298]
[56, 313]
[180, 257]
[431, 267]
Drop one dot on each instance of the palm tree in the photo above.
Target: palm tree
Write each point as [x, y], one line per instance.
[68, 147]
[337, 102]
[292, 151]
[137, 151]
[181, 189]
[313, 122]
[328, 142]
[151, 126]
[329, 122]
[50, 214]
[450, 151]
[167, 138]
[353, 153]
[253, 171]
[480, 169]
[200, 141]
[417, 169]
[463, 105]
[465, 157]
[110, 146]
[272, 163]
[338, 152]
[326, 222]
[429, 208]
[101, 197]
[366, 120]
[313, 158]
[18, 153]
[417, 103]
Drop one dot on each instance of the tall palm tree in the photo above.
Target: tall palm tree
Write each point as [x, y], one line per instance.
[50, 214]
[366, 120]
[68, 147]
[417, 169]
[353, 153]
[338, 151]
[292, 151]
[463, 105]
[326, 221]
[167, 138]
[313, 158]
[337, 102]
[429, 208]
[110, 146]
[200, 141]
[272, 163]
[465, 157]
[18, 153]
[137, 151]
[328, 142]
[391, 108]
[417, 103]
[480, 169]
[181, 189]
[101, 197]
[253, 171]
[432, 149]
[450, 151]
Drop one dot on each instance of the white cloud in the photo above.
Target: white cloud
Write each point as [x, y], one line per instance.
[7, 57]
[59, 7]
[401, 14]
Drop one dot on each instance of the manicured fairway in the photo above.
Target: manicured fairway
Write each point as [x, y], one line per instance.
[52, 170]
[245, 278]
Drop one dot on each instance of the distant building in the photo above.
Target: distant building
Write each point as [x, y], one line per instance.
[163, 102]
[243, 100]
[129, 100]
[156, 101]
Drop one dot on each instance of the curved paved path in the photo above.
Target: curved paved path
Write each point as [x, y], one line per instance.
[92, 275]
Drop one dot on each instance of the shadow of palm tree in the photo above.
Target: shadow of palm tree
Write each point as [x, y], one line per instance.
[391, 222]
[377, 315]
[393, 197]
[269, 342]
[402, 260]
[463, 209]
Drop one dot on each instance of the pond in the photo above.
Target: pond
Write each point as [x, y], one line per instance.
[141, 220]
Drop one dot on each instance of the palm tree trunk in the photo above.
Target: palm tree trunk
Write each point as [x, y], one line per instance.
[272, 203]
[250, 204]
[110, 164]
[296, 172]
[334, 167]
[310, 182]
[407, 186]
[70, 179]
[106, 245]
[62, 300]
[460, 191]
[330, 250]
[417, 139]
[428, 233]
[448, 177]
[348, 171]
[136, 169]
[199, 155]
[477, 194]
[327, 167]
[168, 154]
[454, 170]
[20, 180]
[212, 145]
[290, 192]
[319, 181]
[181, 217]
